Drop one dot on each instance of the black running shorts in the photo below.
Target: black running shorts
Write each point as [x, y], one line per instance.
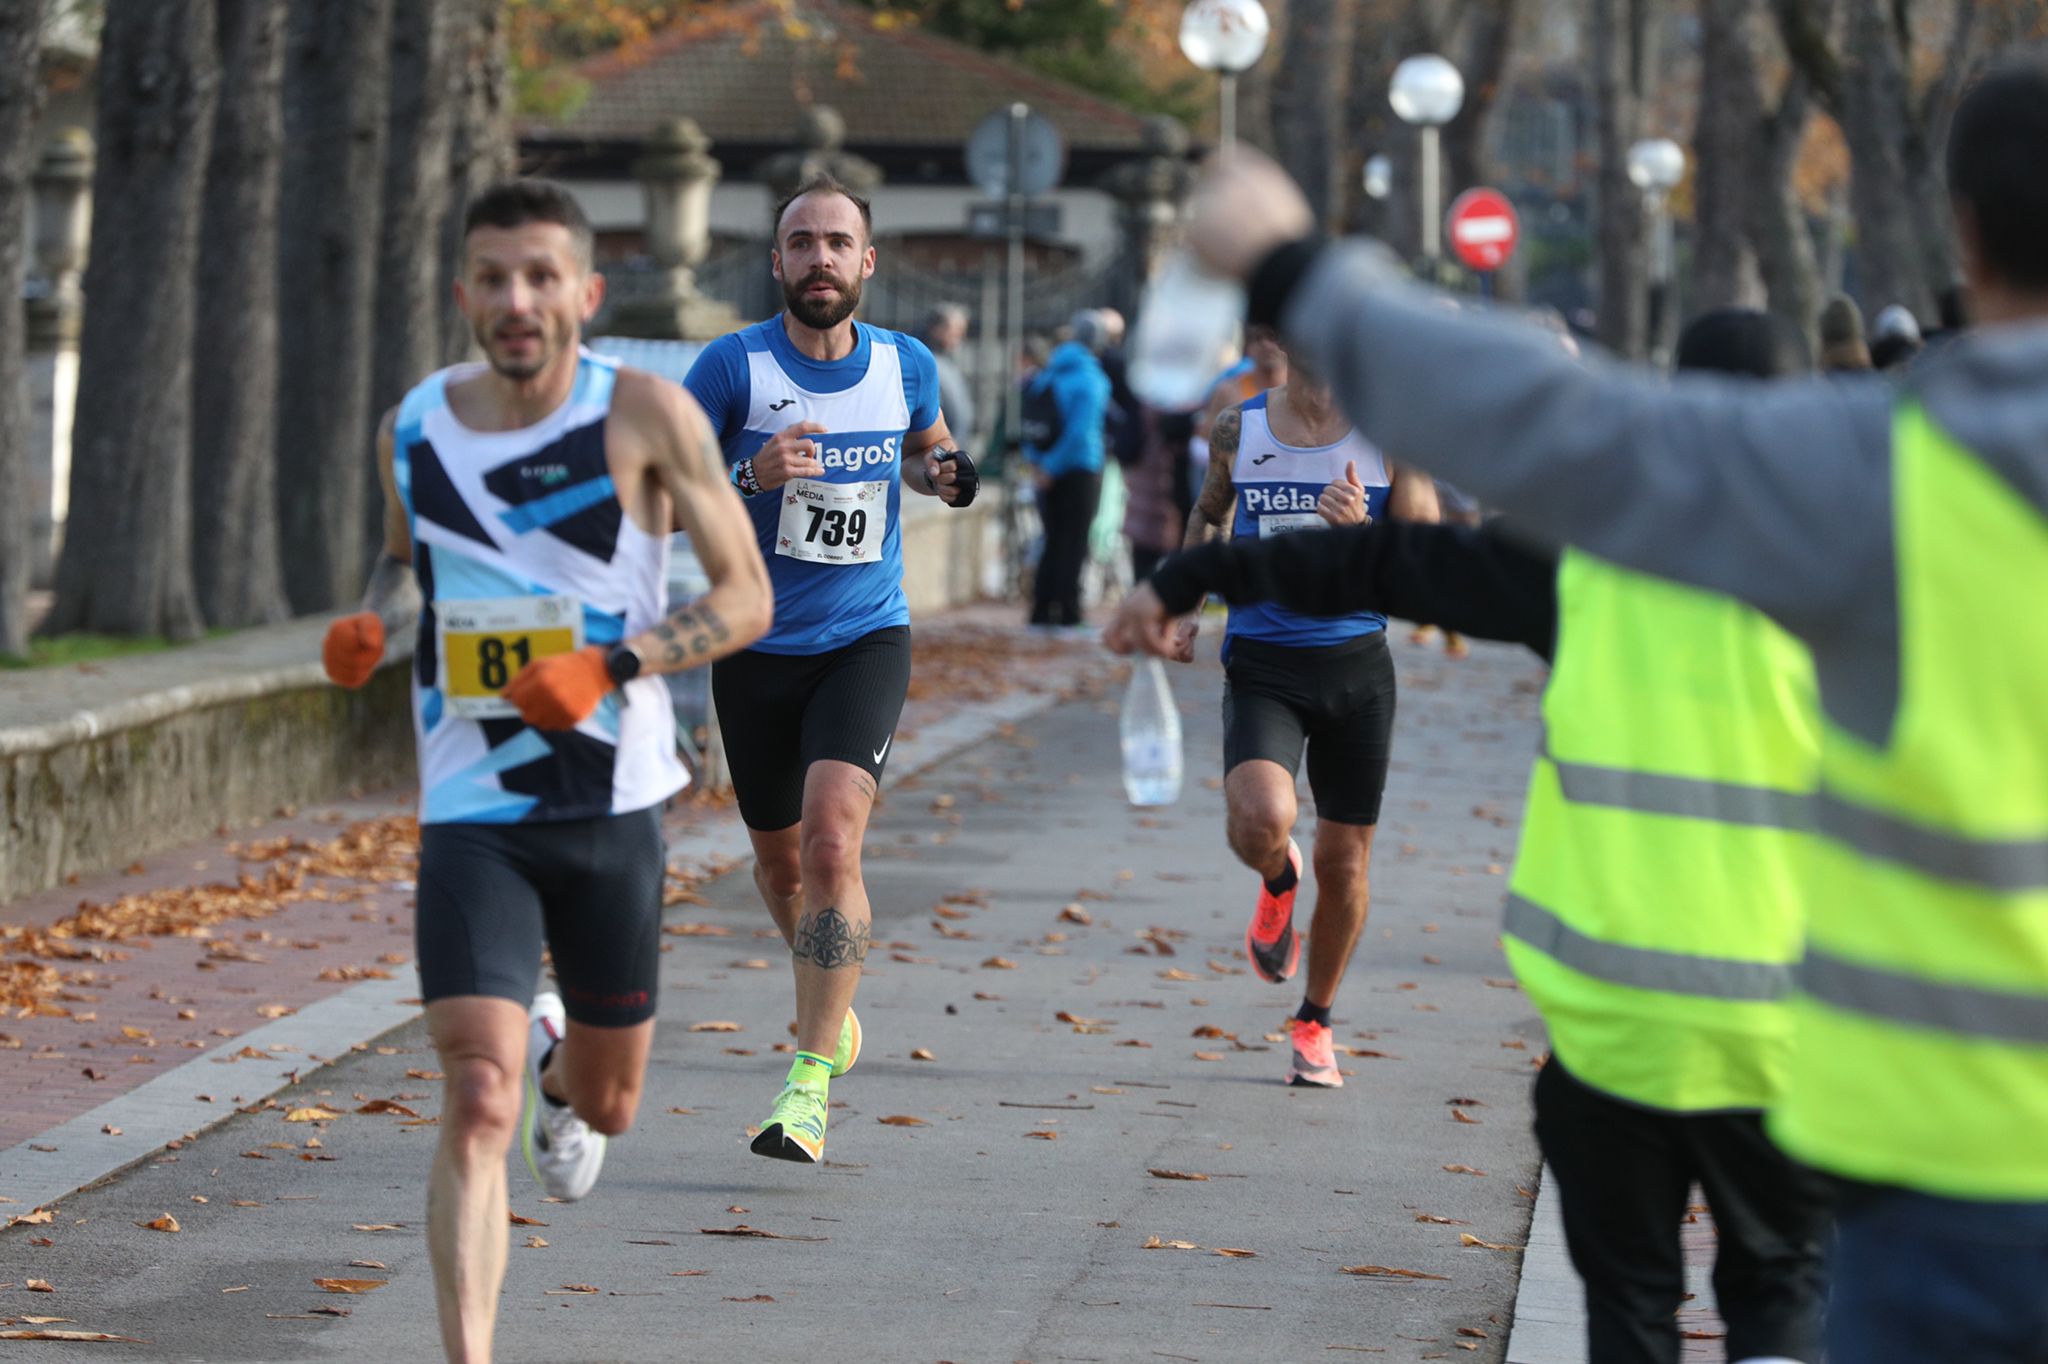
[491, 895]
[779, 713]
[1337, 700]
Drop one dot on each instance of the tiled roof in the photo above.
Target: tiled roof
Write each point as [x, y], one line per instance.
[745, 81]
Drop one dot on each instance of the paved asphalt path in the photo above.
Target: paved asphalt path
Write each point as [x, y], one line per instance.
[965, 1237]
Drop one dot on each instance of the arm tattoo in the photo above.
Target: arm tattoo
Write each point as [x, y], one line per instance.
[703, 628]
[394, 594]
[828, 940]
[1212, 509]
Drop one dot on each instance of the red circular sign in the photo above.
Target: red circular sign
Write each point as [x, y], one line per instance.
[1484, 229]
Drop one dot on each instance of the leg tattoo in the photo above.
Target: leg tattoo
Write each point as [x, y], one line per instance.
[828, 940]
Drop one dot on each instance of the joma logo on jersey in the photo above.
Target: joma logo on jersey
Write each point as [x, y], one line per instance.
[548, 474]
[857, 452]
[1279, 497]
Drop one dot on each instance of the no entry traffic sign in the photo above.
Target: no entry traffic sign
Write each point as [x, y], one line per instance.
[1484, 229]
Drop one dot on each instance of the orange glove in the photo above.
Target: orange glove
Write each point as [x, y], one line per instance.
[562, 690]
[353, 649]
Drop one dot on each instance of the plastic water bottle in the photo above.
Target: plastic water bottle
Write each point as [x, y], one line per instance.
[1151, 737]
[1186, 324]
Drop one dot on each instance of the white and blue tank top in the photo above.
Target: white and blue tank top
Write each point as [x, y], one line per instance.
[1277, 488]
[523, 549]
[832, 544]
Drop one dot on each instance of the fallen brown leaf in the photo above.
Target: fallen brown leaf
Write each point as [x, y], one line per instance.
[78, 1336]
[1236, 1254]
[367, 1264]
[1074, 914]
[697, 931]
[388, 1106]
[1044, 1136]
[1440, 1221]
[350, 1285]
[521, 1220]
[39, 1286]
[1389, 1272]
[1472, 1332]
[1463, 1170]
[311, 1115]
[40, 1217]
[164, 1223]
[1178, 1174]
[1208, 1056]
[580, 1288]
[378, 1226]
[716, 1025]
[756, 1233]
[1175, 973]
[922, 1054]
[1460, 1115]
[999, 964]
[1466, 1238]
[902, 1120]
[536, 1243]
[758, 1297]
[1154, 1243]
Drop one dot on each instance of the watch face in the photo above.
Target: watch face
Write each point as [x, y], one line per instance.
[623, 664]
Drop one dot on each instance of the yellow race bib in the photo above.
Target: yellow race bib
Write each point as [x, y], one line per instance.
[483, 645]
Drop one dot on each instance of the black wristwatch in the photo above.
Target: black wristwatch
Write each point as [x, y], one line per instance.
[622, 662]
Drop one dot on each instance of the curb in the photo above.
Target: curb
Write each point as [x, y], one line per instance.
[1550, 1302]
[151, 1116]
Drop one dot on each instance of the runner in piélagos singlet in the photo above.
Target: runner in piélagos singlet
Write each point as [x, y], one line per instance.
[824, 422]
[528, 503]
[1287, 462]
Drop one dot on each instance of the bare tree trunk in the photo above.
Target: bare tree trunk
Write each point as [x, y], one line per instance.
[1487, 48]
[127, 562]
[1305, 104]
[1778, 226]
[335, 64]
[1619, 29]
[235, 563]
[480, 144]
[1876, 121]
[416, 169]
[1726, 149]
[20, 94]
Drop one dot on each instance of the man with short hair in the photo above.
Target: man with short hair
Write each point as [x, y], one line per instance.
[1902, 534]
[1282, 461]
[528, 502]
[945, 331]
[824, 422]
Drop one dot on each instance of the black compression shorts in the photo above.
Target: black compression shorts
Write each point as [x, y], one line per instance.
[490, 895]
[779, 713]
[1337, 700]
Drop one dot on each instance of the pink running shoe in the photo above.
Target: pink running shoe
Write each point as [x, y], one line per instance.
[1270, 941]
[1315, 1057]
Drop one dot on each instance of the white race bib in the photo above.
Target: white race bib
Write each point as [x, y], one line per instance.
[1284, 523]
[482, 645]
[833, 523]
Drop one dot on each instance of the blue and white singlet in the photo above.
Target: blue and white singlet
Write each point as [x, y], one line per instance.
[1277, 490]
[522, 549]
[833, 547]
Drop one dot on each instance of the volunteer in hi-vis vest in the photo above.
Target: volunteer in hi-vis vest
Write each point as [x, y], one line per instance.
[528, 504]
[1902, 535]
[1303, 686]
[824, 422]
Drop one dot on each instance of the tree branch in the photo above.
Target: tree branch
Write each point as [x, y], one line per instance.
[1803, 26]
[1941, 94]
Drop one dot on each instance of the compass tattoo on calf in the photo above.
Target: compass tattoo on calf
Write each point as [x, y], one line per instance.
[828, 940]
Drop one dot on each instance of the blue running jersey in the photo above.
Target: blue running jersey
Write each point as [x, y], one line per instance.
[522, 549]
[1277, 487]
[833, 544]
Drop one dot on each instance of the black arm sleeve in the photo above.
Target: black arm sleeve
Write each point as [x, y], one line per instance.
[1476, 580]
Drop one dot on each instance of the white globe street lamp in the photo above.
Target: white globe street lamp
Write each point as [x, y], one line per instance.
[1227, 37]
[1427, 91]
[1656, 165]
[1379, 175]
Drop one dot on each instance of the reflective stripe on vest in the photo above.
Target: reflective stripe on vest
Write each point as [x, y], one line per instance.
[1644, 968]
[1970, 1010]
[2008, 865]
[1653, 793]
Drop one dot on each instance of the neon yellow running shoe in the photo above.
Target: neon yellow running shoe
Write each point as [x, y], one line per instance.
[849, 1045]
[795, 1128]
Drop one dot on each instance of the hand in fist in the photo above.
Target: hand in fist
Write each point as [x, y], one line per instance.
[789, 453]
[561, 690]
[1343, 502]
[353, 649]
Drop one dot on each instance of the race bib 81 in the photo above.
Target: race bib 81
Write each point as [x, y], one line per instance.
[483, 645]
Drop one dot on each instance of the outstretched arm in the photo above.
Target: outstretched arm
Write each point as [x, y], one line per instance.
[355, 644]
[1218, 498]
[1479, 581]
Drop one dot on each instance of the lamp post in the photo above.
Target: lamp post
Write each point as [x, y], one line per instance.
[1379, 175]
[1227, 37]
[1427, 92]
[1655, 166]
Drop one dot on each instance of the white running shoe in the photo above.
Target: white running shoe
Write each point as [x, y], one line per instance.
[561, 1150]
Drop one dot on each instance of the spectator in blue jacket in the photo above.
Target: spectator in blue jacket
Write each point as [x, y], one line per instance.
[1068, 465]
